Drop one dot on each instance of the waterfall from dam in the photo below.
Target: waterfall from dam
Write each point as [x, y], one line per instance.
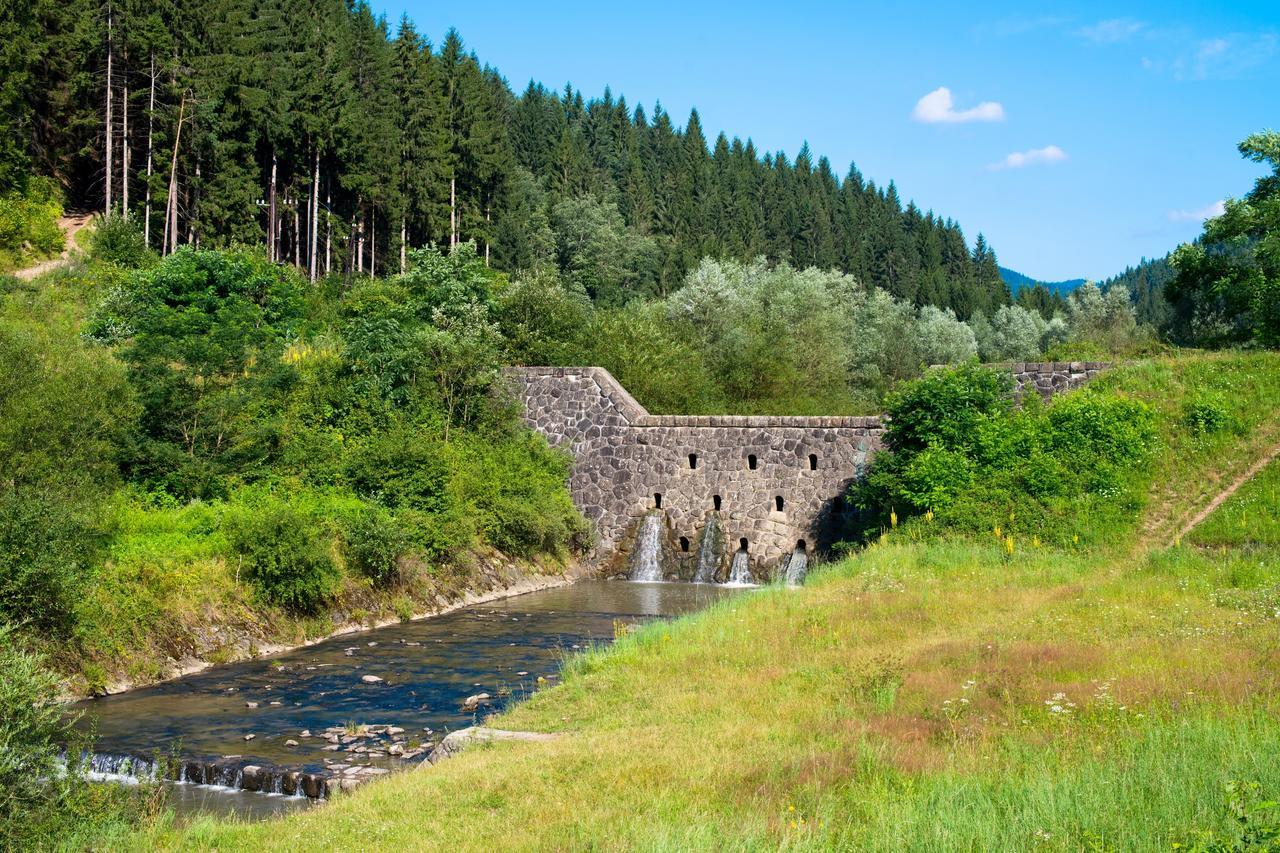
[740, 569]
[709, 551]
[646, 557]
[797, 566]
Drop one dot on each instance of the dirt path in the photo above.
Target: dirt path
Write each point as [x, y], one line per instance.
[1222, 496]
[69, 225]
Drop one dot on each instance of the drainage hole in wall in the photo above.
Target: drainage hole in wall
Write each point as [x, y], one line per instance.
[751, 462]
[777, 502]
[657, 500]
[813, 462]
[693, 460]
[715, 502]
[684, 544]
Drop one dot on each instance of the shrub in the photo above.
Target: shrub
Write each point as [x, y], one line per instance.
[42, 806]
[946, 407]
[1118, 431]
[1205, 416]
[29, 224]
[119, 241]
[374, 543]
[45, 552]
[284, 554]
[957, 447]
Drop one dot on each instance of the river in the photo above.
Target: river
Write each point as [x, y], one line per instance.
[409, 682]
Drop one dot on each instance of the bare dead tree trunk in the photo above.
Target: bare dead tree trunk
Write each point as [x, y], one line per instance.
[109, 128]
[357, 228]
[171, 203]
[297, 238]
[404, 236]
[124, 164]
[151, 110]
[453, 213]
[328, 229]
[373, 240]
[315, 212]
[272, 254]
[488, 218]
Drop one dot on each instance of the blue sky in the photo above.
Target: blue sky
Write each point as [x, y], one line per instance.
[1078, 139]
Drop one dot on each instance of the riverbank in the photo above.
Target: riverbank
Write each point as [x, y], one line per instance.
[236, 628]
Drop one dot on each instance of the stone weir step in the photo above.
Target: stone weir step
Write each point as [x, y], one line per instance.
[231, 773]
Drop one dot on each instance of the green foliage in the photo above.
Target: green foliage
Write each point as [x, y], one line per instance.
[284, 553]
[543, 321]
[1205, 416]
[64, 412]
[1227, 288]
[662, 368]
[43, 805]
[29, 224]
[116, 240]
[515, 488]
[945, 407]
[373, 543]
[961, 452]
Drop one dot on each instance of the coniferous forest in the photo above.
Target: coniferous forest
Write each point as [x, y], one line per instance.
[337, 141]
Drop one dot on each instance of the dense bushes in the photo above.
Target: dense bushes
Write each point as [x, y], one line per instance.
[282, 553]
[29, 224]
[42, 805]
[385, 391]
[64, 412]
[119, 241]
[760, 338]
[960, 452]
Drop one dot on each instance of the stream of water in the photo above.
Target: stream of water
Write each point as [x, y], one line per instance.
[413, 676]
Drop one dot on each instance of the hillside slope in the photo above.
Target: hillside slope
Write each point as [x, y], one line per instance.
[929, 693]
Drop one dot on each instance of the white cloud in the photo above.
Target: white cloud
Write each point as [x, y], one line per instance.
[1216, 209]
[1020, 159]
[937, 107]
[1112, 30]
[1222, 57]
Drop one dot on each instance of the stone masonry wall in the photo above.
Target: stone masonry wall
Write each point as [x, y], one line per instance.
[626, 458]
[1053, 377]
[776, 482]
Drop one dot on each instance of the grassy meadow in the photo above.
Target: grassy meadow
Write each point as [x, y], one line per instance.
[930, 692]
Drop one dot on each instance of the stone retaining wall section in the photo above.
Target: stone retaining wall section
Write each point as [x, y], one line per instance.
[779, 481]
[625, 458]
[1053, 377]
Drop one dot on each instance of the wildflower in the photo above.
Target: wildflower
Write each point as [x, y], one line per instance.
[928, 516]
[1008, 544]
[997, 532]
[893, 519]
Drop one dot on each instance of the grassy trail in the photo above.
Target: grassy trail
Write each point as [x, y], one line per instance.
[1223, 496]
[930, 693]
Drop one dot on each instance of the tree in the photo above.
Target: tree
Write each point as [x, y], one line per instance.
[1232, 294]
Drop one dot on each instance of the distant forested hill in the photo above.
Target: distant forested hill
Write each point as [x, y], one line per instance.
[335, 139]
[1017, 281]
[1146, 282]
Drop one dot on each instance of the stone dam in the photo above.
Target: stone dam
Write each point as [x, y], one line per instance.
[719, 497]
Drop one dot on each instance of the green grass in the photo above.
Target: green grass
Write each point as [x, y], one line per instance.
[928, 693]
[1249, 517]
